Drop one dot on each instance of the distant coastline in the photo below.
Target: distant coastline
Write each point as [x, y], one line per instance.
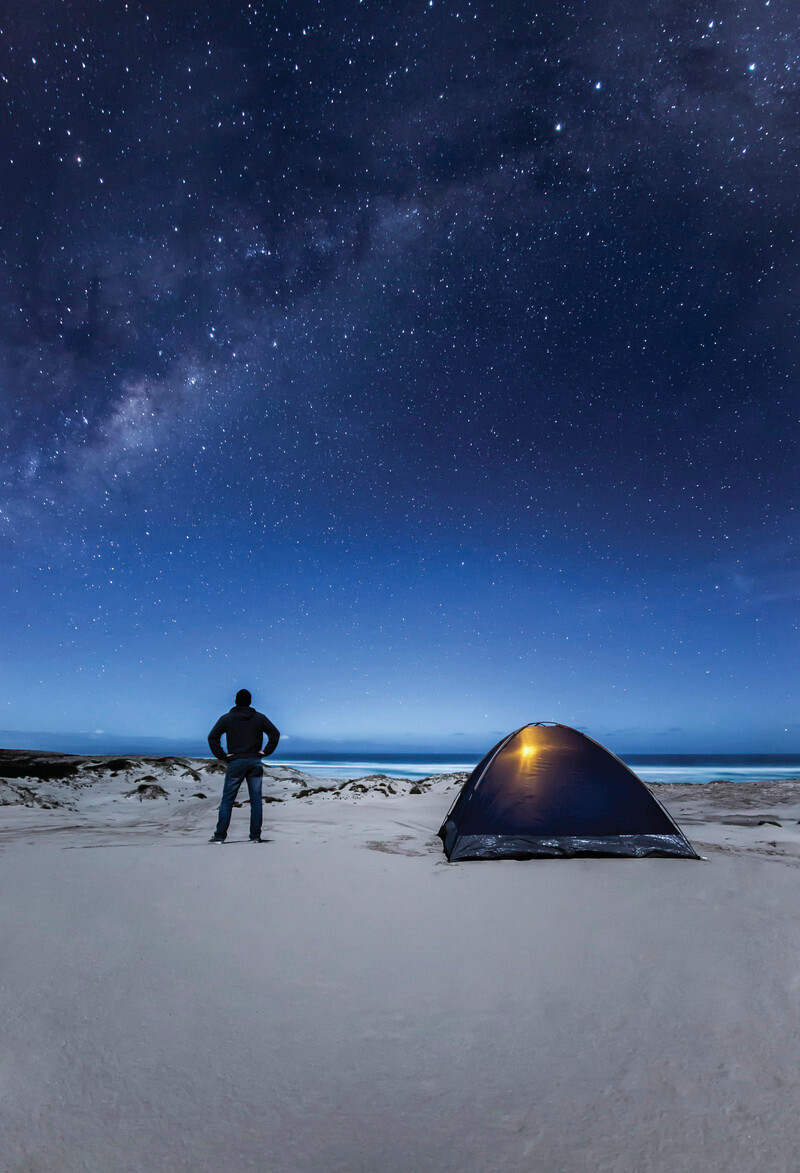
[652, 767]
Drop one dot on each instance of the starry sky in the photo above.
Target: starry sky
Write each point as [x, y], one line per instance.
[427, 368]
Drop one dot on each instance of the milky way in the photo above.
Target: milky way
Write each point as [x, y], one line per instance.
[427, 368]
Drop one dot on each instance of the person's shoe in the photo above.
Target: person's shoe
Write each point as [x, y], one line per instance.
[216, 839]
[258, 840]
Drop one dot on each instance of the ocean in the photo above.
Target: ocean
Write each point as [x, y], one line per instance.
[694, 768]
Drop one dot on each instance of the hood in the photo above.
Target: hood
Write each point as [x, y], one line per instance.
[242, 712]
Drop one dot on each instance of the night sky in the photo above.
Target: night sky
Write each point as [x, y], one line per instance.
[427, 368]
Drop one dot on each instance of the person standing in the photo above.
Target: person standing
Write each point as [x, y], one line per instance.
[244, 729]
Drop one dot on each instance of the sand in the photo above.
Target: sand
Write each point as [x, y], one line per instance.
[341, 998]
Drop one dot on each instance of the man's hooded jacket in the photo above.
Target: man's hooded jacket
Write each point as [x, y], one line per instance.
[243, 728]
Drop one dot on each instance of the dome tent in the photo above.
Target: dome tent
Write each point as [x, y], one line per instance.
[548, 790]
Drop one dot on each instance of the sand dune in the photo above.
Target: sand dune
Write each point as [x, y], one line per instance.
[341, 998]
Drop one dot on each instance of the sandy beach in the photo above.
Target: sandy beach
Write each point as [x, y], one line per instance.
[341, 998]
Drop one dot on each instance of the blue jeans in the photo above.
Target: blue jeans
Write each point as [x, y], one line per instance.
[238, 771]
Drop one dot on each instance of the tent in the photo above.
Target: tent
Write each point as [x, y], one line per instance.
[548, 790]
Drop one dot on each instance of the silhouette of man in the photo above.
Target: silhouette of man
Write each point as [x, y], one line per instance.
[243, 728]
